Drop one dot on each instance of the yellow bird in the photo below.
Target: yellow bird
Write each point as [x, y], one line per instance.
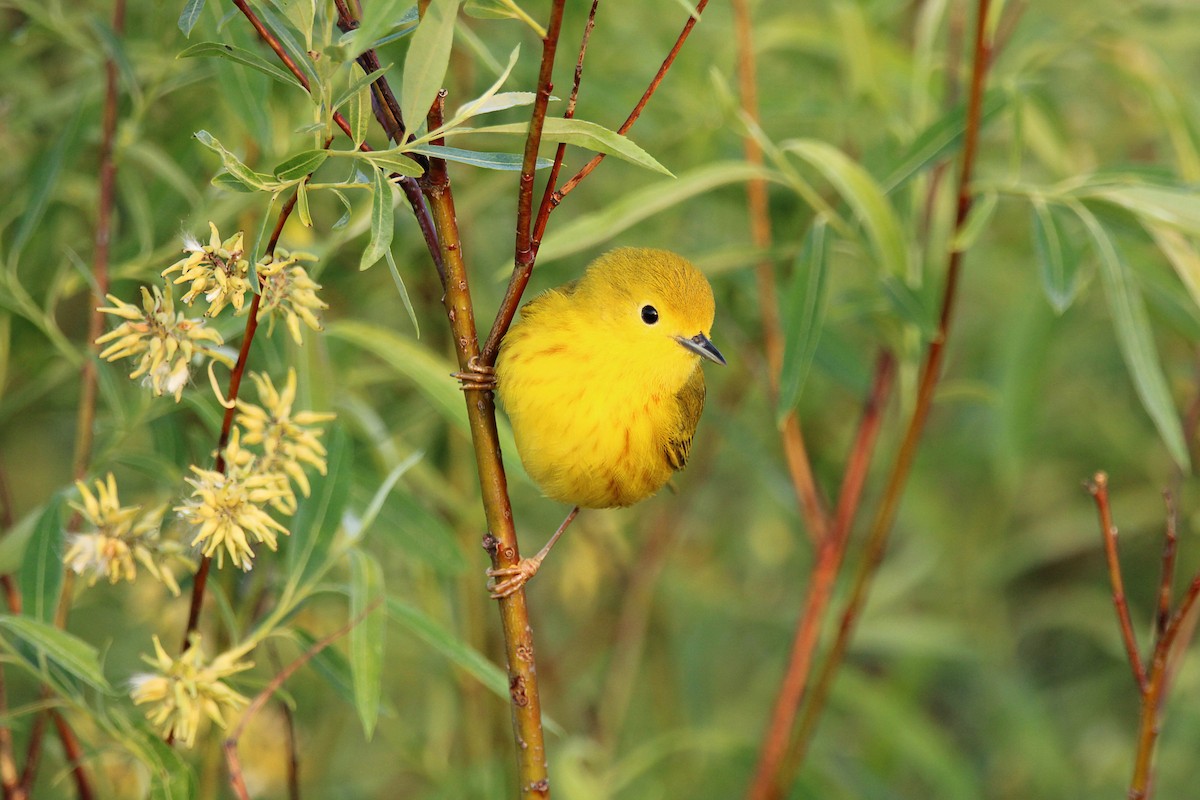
[601, 380]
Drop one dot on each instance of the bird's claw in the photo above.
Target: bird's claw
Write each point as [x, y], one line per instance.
[514, 577]
[476, 377]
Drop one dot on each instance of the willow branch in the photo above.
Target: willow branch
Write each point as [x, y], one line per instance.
[771, 781]
[501, 539]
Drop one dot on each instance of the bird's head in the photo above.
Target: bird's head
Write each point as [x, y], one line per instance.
[656, 307]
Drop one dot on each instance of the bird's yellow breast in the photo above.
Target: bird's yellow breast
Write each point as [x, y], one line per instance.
[593, 422]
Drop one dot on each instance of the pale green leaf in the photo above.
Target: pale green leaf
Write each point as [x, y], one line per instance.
[1176, 207]
[42, 180]
[190, 16]
[803, 315]
[319, 516]
[367, 638]
[1058, 260]
[461, 654]
[476, 158]
[580, 133]
[497, 102]
[983, 208]
[300, 165]
[381, 220]
[940, 139]
[1135, 339]
[393, 160]
[864, 196]
[75, 656]
[1181, 252]
[402, 290]
[302, 208]
[240, 56]
[378, 18]
[234, 166]
[42, 567]
[358, 108]
[480, 105]
[426, 62]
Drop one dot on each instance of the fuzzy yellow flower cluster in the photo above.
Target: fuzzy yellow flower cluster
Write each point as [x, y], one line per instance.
[165, 342]
[217, 270]
[121, 537]
[288, 290]
[287, 439]
[187, 690]
[227, 509]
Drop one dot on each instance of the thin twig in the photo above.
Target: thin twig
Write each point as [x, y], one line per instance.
[1098, 488]
[771, 779]
[231, 742]
[1170, 545]
[520, 276]
[830, 554]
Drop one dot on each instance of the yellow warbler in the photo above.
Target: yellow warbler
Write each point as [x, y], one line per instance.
[601, 380]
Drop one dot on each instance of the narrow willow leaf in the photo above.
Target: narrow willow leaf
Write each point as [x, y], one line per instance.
[358, 108]
[330, 664]
[381, 494]
[75, 656]
[479, 104]
[461, 654]
[1135, 339]
[284, 31]
[1059, 264]
[982, 210]
[1168, 205]
[498, 102]
[426, 62]
[234, 166]
[909, 305]
[940, 139]
[393, 160]
[302, 204]
[300, 165]
[240, 56]
[503, 9]
[367, 638]
[580, 133]
[190, 16]
[1181, 252]
[302, 15]
[403, 291]
[803, 315]
[381, 220]
[319, 515]
[224, 180]
[378, 18]
[476, 158]
[347, 210]
[864, 196]
[640, 204]
[429, 374]
[42, 566]
[358, 82]
[42, 180]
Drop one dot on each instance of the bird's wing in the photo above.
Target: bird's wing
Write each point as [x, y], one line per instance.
[691, 403]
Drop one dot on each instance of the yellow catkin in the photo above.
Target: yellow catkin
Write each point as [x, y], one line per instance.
[601, 377]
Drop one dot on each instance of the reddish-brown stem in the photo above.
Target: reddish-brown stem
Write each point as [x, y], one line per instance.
[1170, 545]
[74, 754]
[830, 553]
[521, 273]
[771, 779]
[1098, 487]
[231, 743]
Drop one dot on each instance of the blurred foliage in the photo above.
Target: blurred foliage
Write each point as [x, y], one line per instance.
[988, 662]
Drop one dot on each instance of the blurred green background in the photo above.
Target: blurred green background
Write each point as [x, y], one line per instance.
[988, 661]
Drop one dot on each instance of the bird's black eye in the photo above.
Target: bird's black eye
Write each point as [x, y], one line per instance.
[649, 315]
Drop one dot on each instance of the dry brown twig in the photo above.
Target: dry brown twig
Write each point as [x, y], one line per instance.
[1172, 632]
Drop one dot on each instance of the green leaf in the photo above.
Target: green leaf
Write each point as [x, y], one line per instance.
[640, 204]
[1167, 205]
[491, 103]
[234, 166]
[300, 165]
[358, 110]
[909, 305]
[803, 315]
[320, 514]
[1135, 340]
[864, 196]
[378, 18]
[42, 180]
[403, 291]
[426, 62]
[480, 105]
[42, 566]
[983, 208]
[381, 494]
[393, 160]
[367, 637]
[330, 664]
[445, 642]
[302, 208]
[240, 56]
[302, 15]
[381, 220]
[1181, 252]
[224, 180]
[190, 16]
[580, 133]
[940, 139]
[69, 652]
[1059, 264]
[476, 158]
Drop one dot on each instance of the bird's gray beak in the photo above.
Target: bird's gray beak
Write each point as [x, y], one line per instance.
[701, 346]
